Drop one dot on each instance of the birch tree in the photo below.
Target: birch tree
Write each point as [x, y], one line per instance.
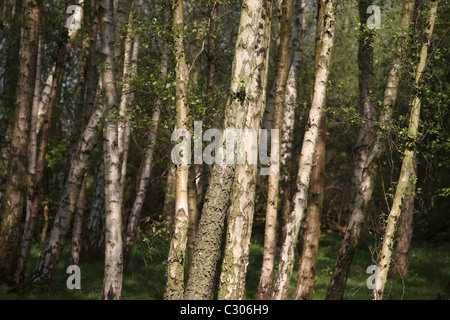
[209, 236]
[17, 179]
[241, 210]
[358, 214]
[406, 170]
[48, 260]
[311, 234]
[175, 265]
[305, 162]
[283, 67]
[112, 281]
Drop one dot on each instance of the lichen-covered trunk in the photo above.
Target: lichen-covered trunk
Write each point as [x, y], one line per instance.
[17, 178]
[209, 237]
[299, 199]
[112, 281]
[407, 169]
[310, 244]
[241, 211]
[46, 264]
[357, 219]
[93, 247]
[283, 69]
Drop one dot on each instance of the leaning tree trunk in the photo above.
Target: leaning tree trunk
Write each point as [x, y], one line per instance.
[112, 281]
[131, 53]
[357, 219]
[310, 244]
[82, 101]
[400, 263]
[175, 264]
[47, 262]
[310, 241]
[241, 211]
[204, 263]
[287, 140]
[41, 157]
[134, 217]
[17, 179]
[299, 200]
[407, 165]
[265, 284]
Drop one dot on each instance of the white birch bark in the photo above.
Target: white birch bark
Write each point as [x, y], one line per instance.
[299, 200]
[209, 236]
[175, 265]
[241, 210]
[112, 281]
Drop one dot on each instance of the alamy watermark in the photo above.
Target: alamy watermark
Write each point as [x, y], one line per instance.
[73, 22]
[233, 146]
[374, 281]
[374, 21]
[74, 280]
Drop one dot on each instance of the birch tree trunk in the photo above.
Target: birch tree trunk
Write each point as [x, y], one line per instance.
[306, 157]
[112, 281]
[357, 219]
[83, 100]
[78, 224]
[129, 66]
[17, 178]
[241, 210]
[265, 284]
[292, 87]
[175, 265]
[30, 221]
[310, 244]
[406, 170]
[204, 263]
[311, 235]
[47, 262]
[400, 263]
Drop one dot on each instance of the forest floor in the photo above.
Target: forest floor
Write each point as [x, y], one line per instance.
[145, 277]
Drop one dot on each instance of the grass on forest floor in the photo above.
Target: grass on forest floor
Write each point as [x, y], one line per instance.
[145, 276]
